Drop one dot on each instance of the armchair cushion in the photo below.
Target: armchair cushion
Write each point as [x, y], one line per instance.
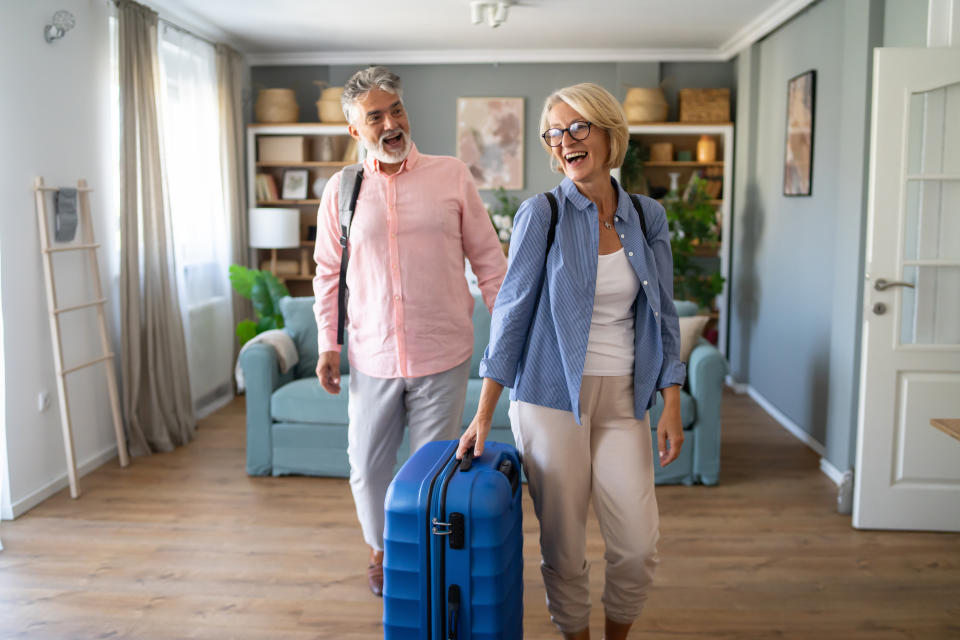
[500, 413]
[300, 323]
[304, 400]
[691, 328]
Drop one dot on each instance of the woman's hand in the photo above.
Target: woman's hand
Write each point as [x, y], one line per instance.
[476, 434]
[670, 427]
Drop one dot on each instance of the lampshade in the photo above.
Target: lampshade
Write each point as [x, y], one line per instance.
[274, 228]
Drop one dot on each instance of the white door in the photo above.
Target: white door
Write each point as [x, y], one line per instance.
[908, 472]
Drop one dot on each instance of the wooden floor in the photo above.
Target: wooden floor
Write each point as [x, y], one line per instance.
[185, 545]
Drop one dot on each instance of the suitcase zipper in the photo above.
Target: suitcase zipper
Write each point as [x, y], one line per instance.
[440, 529]
[454, 529]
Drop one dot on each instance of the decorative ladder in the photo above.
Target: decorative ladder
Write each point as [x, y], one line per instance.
[87, 244]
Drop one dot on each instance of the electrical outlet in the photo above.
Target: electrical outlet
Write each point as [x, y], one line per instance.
[43, 401]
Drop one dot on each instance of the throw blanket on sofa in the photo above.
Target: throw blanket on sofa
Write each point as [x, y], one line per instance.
[281, 342]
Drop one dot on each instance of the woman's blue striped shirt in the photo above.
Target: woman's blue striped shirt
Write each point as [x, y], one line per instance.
[538, 347]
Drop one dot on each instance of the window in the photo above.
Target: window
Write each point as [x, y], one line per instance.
[190, 129]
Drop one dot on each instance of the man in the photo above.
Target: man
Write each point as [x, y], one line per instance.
[410, 310]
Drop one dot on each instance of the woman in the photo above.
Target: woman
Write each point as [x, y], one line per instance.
[585, 333]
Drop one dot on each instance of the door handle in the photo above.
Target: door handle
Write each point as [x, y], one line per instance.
[883, 285]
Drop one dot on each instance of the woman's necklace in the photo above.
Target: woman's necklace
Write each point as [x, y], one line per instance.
[606, 224]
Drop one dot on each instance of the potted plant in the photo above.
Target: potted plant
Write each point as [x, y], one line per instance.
[632, 178]
[501, 215]
[693, 225]
[264, 290]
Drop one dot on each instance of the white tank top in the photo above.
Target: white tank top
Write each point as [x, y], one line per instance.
[610, 344]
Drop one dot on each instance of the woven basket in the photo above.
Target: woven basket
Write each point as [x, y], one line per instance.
[645, 105]
[332, 93]
[661, 152]
[330, 110]
[276, 105]
[704, 105]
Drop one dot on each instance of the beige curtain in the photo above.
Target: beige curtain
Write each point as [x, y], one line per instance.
[230, 78]
[156, 387]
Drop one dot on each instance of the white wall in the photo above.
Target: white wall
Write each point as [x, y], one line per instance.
[54, 122]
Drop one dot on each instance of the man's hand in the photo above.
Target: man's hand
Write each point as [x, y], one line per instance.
[328, 371]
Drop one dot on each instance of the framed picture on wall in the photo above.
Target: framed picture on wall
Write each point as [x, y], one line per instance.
[798, 153]
[490, 140]
[295, 184]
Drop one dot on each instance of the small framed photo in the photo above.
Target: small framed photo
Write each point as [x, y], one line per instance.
[295, 184]
[798, 152]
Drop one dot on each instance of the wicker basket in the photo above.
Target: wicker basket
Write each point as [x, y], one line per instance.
[661, 152]
[332, 93]
[645, 105]
[704, 105]
[276, 105]
[330, 110]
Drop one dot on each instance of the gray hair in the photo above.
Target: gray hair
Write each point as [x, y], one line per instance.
[362, 82]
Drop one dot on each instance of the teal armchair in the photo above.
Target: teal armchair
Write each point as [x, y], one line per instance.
[295, 427]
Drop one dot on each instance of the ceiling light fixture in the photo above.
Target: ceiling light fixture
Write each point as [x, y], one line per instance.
[62, 21]
[494, 12]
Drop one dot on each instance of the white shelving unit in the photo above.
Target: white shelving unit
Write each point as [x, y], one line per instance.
[684, 136]
[315, 162]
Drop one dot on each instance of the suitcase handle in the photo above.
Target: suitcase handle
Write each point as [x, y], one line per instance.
[508, 469]
[453, 604]
[467, 460]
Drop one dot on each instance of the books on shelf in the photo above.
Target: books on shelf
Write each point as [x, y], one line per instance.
[266, 186]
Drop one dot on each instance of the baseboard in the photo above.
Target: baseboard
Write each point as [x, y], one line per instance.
[738, 387]
[787, 423]
[831, 471]
[219, 400]
[92, 463]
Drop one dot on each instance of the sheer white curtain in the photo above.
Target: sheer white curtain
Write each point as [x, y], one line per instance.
[191, 140]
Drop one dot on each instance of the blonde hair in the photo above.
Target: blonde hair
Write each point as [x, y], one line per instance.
[596, 105]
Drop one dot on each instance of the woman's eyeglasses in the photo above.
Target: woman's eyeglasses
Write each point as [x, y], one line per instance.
[579, 130]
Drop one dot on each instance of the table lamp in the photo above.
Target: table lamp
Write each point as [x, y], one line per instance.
[274, 228]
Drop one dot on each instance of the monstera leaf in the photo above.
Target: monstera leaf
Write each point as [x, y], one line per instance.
[264, 290]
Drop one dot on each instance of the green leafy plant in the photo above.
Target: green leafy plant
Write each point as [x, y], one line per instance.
[632, 178]
[693, 224]
[264, 290]
[502, 213]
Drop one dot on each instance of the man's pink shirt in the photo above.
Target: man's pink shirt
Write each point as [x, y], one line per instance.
[409, 312]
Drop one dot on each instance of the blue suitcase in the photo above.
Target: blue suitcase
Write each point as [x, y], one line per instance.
[453, 546]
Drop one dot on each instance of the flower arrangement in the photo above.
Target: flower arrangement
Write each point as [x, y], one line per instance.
[502, 212]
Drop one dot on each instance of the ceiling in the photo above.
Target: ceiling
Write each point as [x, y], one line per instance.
[431, 31]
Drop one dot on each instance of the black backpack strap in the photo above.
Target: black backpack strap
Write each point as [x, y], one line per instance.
[551, 233]
[350, 180]
[637, 204]
[553, 224]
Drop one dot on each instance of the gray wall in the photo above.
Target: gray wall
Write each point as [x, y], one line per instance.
[905, 23]
[797, 264]
[431, 92]
[697, 75]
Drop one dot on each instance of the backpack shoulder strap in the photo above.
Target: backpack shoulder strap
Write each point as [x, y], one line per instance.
[552, 232]
[350, 180]
[638, 205]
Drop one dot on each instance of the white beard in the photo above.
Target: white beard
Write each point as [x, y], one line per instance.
[380, 153]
